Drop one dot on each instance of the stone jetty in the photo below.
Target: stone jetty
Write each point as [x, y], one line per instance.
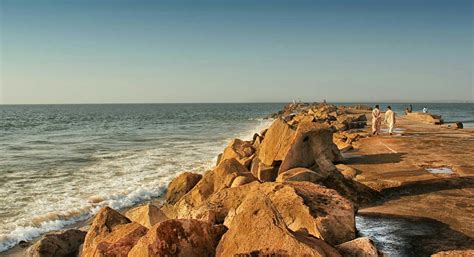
[295, 190]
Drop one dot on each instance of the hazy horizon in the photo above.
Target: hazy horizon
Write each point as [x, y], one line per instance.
[93, 52]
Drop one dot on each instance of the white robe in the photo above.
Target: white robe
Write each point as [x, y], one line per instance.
[376, 120]
[390, 120]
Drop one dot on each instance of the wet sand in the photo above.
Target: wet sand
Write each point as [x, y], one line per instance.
[398, 166]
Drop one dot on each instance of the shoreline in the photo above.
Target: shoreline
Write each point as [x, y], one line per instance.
[360, 149]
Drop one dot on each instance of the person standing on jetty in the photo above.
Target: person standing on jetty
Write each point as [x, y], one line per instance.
[376, 120]
[390, 119]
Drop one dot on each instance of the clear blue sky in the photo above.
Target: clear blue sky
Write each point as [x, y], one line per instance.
[235, 51]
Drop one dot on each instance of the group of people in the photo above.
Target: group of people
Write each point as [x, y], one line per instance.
[389, 120]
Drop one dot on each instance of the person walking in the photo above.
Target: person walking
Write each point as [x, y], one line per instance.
[390, 119]
[376, 120]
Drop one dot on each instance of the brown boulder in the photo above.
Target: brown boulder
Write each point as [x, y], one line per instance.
[321, 212]
[346, 171]
[180, 185]
[262, 172]
[311, 144]
[425, 118]
[105, 222]
[179, 237]
[58, 244]
[299, 174]
[257, 229]
[120, 241]
[221, 177]
[242, 151]
[243, 179]
[147, 215]
[276, 144]
[286, 148]
[359, 247]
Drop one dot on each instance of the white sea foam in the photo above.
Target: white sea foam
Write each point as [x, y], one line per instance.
[116, 179]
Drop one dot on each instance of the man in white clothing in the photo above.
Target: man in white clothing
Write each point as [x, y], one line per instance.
[390, 119]
[376, 120]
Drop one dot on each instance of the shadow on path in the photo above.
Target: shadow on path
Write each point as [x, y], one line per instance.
[410, 236]
[375, 158]
[428, 186]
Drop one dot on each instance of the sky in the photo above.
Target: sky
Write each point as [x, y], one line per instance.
[115, 51]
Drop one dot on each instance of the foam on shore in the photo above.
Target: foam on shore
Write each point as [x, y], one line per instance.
[148, 182]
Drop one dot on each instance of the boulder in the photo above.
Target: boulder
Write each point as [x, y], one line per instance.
[286, 148]
[147, 215]
[425, 118]
[299, 174]
[346, 171]
[312, 143]
[242, 180]
[276, 144]
[57, 244]
[180, 185]
[358, 247]
[331, 217]
[320, 211]
[105, 222]
[257, 229]
[215, 180]
[242, 151]
[263, 172]
[179, 237]
[121, 240]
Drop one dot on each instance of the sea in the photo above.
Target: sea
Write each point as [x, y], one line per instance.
[59, 164]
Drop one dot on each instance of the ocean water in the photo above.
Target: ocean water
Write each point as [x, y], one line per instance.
[60, 163]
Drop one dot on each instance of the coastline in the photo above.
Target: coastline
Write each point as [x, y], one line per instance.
[387, 182]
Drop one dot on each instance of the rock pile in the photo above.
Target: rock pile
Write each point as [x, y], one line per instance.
[279, 194]
[425, 117]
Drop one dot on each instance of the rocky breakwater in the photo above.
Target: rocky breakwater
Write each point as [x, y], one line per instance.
[277, 195]
[425, 118]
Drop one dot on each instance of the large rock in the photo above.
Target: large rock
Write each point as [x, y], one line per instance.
[299, 174]
[321, 212]
[288, 148]
[57, 244]
[220, 178]
[264, 173]
[257, 229]
[105, 222]
[242, 151]
[180, 185]
[120, 241]
[147, 215]
[276, 143]
[425, 118]
[312, 143]
[179, 237]
[360, 247]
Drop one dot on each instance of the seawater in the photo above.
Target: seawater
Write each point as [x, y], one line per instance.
[60, 163]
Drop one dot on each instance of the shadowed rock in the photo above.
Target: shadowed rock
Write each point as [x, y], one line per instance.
[180, 185]
[179, 237]
[147, 215]
[57, 244]
[361, 246]
[105, 222]
[120, 241]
